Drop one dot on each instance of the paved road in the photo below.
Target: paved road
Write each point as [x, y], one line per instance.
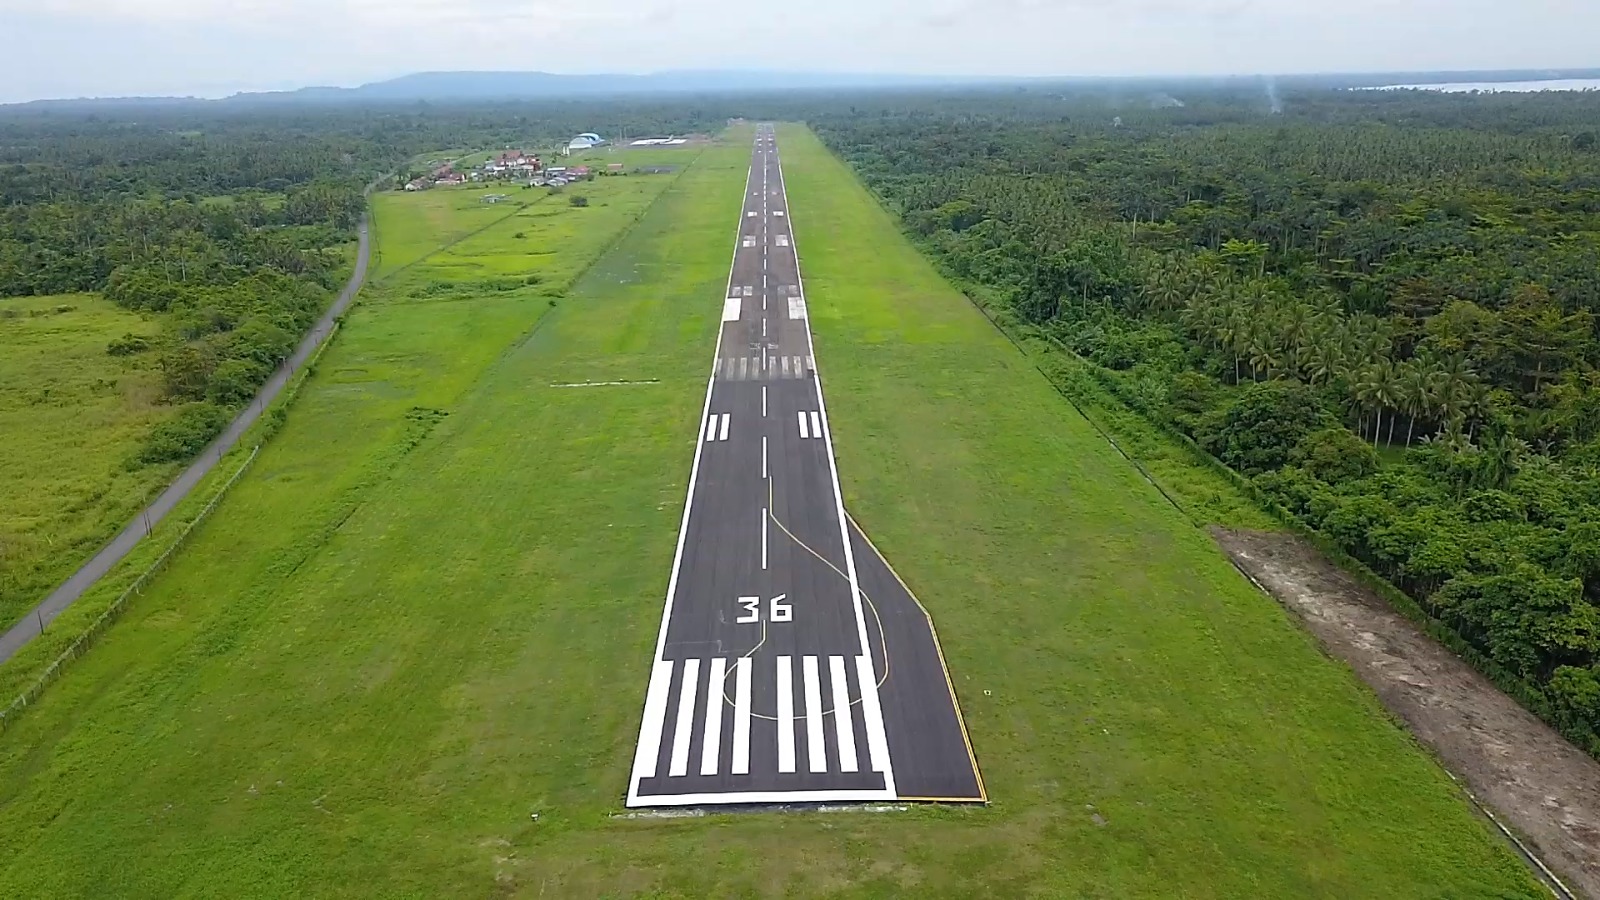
[792, 665]
[112, 553]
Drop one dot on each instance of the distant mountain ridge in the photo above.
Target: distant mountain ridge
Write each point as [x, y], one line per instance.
[526, 85]
[461, 87]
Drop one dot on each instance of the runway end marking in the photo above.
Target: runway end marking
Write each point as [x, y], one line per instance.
[655, 717]
[785, 715]
[679, 765]
[816, 752]
[844, 728]
[740, 764]
[877, 741]
[711, 747]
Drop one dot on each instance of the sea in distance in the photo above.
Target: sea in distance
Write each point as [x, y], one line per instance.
[1515, 87]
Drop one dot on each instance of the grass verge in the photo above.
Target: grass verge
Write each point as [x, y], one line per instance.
[70, 417]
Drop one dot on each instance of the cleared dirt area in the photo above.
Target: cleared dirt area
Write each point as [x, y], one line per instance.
[1541, 786]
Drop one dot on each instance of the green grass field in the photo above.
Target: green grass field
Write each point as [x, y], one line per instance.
[70, 416]
[428, 612]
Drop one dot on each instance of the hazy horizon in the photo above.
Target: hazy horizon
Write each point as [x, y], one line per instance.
[115, 48]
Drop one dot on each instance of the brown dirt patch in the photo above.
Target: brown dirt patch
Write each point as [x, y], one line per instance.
[1542, 787]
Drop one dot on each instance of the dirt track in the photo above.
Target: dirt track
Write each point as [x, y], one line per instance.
[1538, 784]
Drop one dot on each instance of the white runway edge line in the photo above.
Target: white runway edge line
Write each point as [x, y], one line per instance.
[877, 737]
[650, 724]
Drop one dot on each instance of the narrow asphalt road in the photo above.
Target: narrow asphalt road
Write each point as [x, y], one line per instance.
[42, 615]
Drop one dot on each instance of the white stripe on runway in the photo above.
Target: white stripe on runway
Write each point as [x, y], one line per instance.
[803, 433]
[685, 723]
[712, 747]
[785, 716]
[711, 427]
[797, 307]
[816, 424]
[724, 435]
[872, 715]
[730, 309]
[784, 360]
[844, 729]
[740, 765]
[744, 367]
[816, 752]
[655, 716]
[799, 369]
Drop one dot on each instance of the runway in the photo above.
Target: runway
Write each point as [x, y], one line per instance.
[792, 665]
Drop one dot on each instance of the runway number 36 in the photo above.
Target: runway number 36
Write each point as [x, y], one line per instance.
[777, 610]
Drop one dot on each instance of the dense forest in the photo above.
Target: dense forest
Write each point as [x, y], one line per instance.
[228, 224]
[1380, 307]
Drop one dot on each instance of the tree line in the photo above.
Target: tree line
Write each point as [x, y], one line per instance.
[1378, 306]
[227, 224]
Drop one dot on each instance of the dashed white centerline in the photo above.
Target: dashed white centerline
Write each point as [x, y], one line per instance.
[764, 518]
[763, 438]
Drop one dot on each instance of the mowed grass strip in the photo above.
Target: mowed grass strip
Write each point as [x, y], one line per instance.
[70, 418]
[417, 618]
[1145, 718]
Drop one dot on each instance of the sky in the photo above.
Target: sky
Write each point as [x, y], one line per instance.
[98, 48]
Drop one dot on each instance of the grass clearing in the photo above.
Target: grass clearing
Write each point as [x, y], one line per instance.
[70, 417]
[428, 612]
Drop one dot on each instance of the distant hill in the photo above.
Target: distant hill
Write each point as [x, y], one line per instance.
[460, 86]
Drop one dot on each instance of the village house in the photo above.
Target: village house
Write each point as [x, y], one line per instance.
[513, 163]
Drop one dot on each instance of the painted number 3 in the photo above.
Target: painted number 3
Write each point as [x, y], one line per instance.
[778, 610]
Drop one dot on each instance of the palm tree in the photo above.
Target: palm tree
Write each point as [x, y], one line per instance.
[1418, 388]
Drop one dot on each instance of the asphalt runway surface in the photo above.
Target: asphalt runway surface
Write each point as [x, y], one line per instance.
[793, 666]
